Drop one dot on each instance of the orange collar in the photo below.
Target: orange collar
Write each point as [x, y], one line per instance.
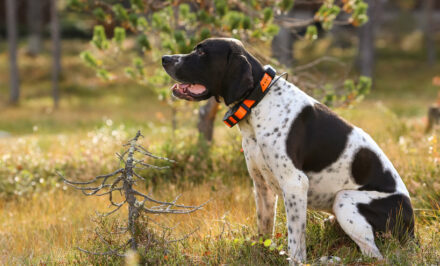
[242, 109]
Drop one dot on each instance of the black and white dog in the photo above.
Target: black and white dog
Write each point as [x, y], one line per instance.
[298, 148]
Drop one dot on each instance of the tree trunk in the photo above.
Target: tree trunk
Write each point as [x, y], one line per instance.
[35, 23]
[11, 20]
[56, 51]
[282, 43]
[367, 37]
[207, 114]
[282, 46]
[429, 31]
[433, 118]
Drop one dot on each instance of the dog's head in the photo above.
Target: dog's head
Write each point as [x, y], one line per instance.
[218, 67]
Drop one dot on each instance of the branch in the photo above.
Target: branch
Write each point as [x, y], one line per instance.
[317, 62]
[91, 181]
[183, 237]
[164, 202]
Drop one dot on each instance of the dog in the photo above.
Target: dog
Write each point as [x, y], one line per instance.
[297, 148]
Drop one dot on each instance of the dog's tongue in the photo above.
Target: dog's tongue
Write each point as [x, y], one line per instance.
[186, 87]
[197, 88]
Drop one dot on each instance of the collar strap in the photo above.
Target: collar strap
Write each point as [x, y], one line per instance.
[242, 109]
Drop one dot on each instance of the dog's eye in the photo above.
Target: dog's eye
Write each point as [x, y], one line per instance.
[200, 52]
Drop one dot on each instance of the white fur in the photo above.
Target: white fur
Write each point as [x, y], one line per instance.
[265, 132]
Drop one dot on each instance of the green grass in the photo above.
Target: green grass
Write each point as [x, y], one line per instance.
[43, 221]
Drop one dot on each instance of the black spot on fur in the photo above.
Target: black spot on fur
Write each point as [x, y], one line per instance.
[367, 170]
[393, 213]
[316, 138]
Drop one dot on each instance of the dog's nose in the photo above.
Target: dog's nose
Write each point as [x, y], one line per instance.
[166, 60]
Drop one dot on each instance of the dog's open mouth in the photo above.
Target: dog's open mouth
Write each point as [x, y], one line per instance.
[190, 92]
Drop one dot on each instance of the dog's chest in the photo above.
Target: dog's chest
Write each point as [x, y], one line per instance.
[266, 130]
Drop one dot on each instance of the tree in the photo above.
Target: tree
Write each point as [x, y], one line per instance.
[140, 205]
[56, 50]
[11, 21]
[429, 31]
[178, 25]
[282, 46]
[35, 24]
[367, 34]
[207, 114]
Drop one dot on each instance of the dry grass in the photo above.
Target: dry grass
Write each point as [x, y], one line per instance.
[41, 222]
[46, 226]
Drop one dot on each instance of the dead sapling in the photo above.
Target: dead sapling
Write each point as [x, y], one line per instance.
[122, 181]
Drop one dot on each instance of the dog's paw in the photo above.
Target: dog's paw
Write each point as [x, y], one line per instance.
[330, 260]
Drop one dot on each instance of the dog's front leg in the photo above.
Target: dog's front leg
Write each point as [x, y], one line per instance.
[295, 202]
[266, 203]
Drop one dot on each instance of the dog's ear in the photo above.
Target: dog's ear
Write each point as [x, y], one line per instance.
[238, 79]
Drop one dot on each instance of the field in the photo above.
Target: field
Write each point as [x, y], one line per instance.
[42, 220]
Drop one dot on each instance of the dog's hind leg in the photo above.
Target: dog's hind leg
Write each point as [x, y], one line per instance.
[355, 225]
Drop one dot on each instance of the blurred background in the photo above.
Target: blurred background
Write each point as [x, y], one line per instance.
[80, 77]
[41, 43]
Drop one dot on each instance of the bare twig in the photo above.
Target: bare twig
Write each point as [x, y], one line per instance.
[123, 180]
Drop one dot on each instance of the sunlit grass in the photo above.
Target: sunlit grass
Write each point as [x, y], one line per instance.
[42, 220]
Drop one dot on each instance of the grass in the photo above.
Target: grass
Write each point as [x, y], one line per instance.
[43, 221]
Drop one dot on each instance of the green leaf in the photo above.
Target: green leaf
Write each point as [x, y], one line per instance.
[246, 23]
[161, 22]
[99, 38]
[179, 36]
[143, 42]
[120, 12]
[75, 4]
[286, 5]
[99, 14]
[103, 74]
[267, 14]
[137, 4]
[203, 16]
[311, 33]
[142, 23]
[234, 20]
[184, 10]
[133, 18]
[364, 85]
[205, 34]
[89, 59]
[267, 242]
[221, 7]
[139, 65]
[349, 85]
[272, 30]
[130, 72]
[119, 35]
